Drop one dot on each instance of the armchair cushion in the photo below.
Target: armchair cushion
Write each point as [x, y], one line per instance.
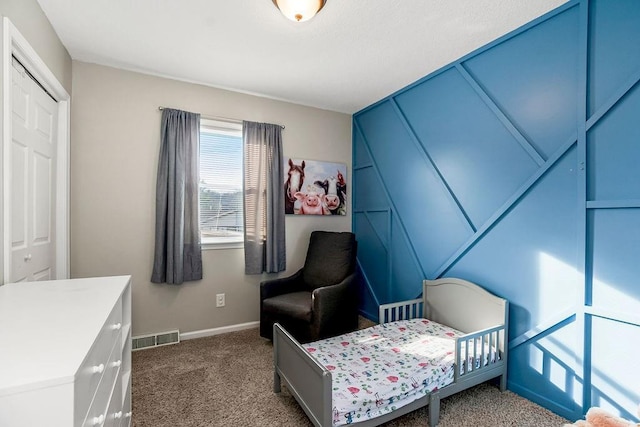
[330, 258]
[295, 304]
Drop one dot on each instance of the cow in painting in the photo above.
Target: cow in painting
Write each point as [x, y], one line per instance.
[334, 194]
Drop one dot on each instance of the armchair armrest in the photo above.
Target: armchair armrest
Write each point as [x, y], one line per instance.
[335, 307]
[283, 285]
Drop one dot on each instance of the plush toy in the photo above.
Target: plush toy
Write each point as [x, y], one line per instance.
[598, 417]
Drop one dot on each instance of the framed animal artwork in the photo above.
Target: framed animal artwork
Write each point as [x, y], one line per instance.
[314, 188]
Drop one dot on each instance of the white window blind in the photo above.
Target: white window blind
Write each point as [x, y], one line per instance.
[221, 197]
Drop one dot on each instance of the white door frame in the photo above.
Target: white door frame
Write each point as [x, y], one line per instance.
[13, 43]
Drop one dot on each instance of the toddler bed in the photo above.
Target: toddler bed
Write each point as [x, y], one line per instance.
[423, 350]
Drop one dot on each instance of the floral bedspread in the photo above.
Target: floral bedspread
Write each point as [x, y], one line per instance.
[384, 367]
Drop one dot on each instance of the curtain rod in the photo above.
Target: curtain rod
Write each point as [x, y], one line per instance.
[224, 119]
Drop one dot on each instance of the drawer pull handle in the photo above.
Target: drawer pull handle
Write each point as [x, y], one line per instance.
[117, 415]
[98, 420]
[117, 363]
[127, 415]
[117, 326]
[98, 369]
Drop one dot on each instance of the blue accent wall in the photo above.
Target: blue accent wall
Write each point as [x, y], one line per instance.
[517, 167]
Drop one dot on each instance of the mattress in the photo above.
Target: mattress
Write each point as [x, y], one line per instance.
[382, 368]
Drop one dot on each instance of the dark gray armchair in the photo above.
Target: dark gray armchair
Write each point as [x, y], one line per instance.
[320, 300]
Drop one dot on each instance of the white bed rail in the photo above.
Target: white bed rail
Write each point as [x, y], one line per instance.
[403, 310]
[479, 350]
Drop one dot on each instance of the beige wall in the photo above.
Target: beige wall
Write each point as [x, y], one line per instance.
[115, 145]
[30, 20]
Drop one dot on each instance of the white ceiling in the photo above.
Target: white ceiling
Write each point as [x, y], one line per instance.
[353, 53]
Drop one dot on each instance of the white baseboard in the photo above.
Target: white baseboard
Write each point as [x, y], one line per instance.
[217, 331]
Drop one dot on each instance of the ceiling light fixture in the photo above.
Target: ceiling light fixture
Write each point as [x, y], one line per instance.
[299, 10]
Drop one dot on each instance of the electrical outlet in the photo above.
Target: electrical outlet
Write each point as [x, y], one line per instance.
[219, 300]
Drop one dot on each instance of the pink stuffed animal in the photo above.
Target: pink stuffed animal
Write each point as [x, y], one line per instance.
[598, 417]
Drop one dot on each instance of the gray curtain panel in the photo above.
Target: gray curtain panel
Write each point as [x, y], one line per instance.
[264, 236]
[178, 256]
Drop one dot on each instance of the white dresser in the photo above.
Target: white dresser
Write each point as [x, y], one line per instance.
[65, 353]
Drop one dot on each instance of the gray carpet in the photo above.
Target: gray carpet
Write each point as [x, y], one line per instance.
[226, 380]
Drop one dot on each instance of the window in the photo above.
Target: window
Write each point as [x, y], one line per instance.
[221, 199]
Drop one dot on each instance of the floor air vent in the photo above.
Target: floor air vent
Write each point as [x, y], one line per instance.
[155, 340]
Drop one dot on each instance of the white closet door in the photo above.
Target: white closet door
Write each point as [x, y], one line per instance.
[33, 150]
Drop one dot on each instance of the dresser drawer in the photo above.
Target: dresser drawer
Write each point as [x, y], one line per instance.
[114, 413]
[97, 413]
[126, 406]
[95, 364]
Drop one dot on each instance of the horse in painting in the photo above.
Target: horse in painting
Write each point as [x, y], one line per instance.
[294, 182]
